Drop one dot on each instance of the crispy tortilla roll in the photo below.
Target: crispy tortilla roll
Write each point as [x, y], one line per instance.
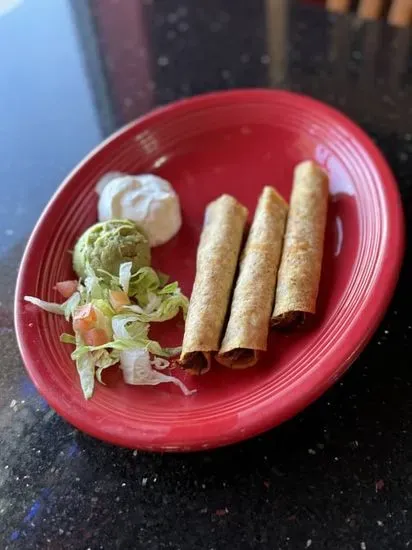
[300, 267]
[248, 326]
[216, 264]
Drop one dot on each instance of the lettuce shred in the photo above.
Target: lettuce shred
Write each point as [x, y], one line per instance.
[152, 299]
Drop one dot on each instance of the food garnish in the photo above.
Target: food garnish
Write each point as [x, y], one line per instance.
[111, 313]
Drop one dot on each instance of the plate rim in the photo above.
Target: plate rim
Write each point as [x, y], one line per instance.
[396, 234]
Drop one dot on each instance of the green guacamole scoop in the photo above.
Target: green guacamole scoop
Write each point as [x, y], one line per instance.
[105, 246]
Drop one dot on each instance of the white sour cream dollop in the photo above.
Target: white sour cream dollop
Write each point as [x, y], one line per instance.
[150, 201]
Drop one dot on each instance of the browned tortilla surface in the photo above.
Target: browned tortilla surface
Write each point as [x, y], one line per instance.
[301, 263]
[248, 326]
[217, 258]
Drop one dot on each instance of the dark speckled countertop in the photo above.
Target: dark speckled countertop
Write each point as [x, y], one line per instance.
[338, 476]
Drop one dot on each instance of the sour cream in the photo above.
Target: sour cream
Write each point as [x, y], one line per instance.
[148, 200]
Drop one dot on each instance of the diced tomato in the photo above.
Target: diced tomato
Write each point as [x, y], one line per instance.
[95, 337]
[66, 288]
[84, 318]
[118, 299]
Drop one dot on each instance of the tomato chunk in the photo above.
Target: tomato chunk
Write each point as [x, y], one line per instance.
[118, 299]
[66, 288]
[84, 318]
[95, 337]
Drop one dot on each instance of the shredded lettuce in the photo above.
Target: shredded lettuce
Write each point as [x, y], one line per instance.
[171, 288]
[156, 349]
[128, 325]
[66, 308]
[165, 309]
[95, 287]
[51, 307]
[122, 344]
[142, 283]
[70, 305]
[104, 307]
[125, 273]
[104, 359]
[137, 369]
[86, 370]
[160, 363]
[153, 300]
[67, 338]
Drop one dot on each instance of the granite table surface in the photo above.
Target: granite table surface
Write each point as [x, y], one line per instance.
[339, 475]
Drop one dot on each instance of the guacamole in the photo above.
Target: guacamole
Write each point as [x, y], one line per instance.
[106, 245]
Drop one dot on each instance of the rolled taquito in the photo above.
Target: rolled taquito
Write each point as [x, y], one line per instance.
[216, 264]
[300, 267]
[248, 326]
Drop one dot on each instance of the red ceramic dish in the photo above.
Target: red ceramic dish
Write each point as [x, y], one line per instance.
[233, 142]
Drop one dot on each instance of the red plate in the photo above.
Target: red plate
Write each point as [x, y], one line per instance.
[232, 142]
